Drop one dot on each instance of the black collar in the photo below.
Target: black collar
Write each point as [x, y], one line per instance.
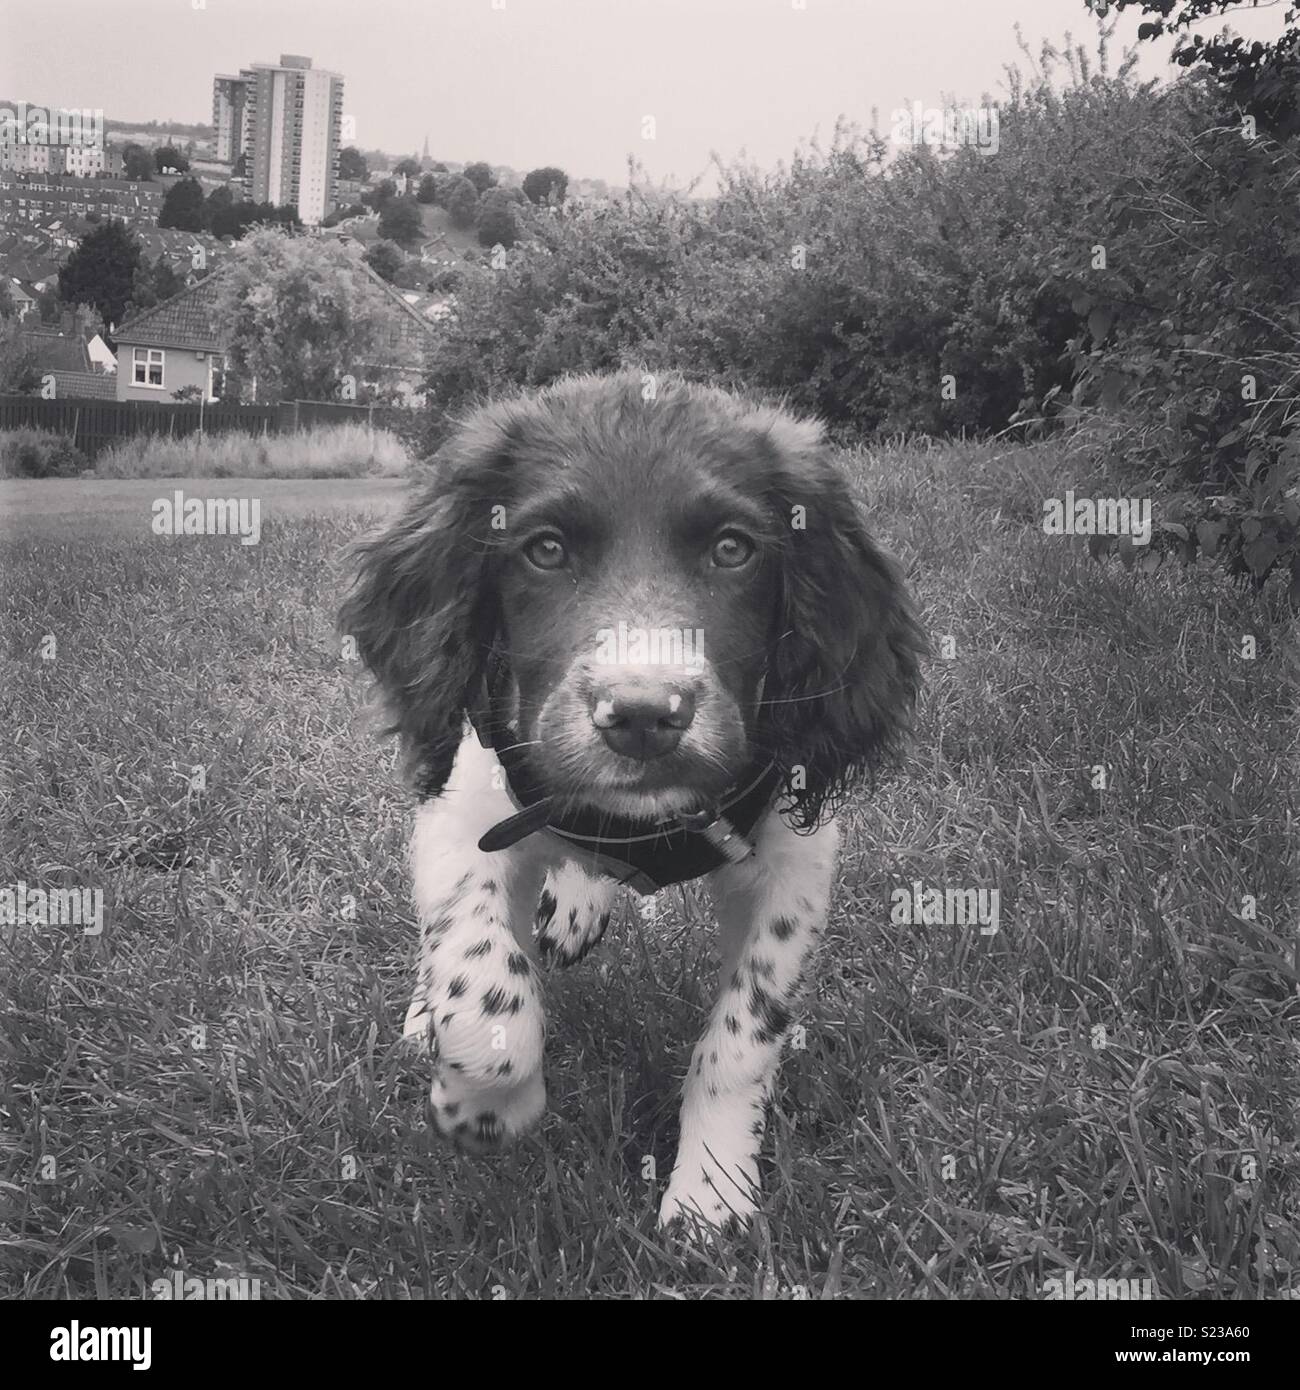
[645, 854]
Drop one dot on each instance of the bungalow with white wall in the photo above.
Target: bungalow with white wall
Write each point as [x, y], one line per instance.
[171, 346]
[180, 343]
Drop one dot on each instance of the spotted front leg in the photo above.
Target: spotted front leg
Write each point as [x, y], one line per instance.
[770, 910]
[573, 913]
[477, 1005]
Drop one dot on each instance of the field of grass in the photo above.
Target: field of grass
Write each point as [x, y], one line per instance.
[1107, 1085]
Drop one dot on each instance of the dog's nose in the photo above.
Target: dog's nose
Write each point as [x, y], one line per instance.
[642, 722]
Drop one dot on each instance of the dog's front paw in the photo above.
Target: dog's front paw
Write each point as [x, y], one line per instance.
[702, 1194]
[573, 914]
[485, 1121]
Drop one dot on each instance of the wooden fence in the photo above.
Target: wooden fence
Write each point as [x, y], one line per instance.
[94, 424]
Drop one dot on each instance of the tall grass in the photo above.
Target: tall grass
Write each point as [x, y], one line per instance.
[333, 451]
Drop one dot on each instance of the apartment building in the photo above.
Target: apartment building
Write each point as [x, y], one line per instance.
[230, 116]
[284, 119]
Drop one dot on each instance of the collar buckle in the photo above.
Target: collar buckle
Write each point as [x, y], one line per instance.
[720, 833]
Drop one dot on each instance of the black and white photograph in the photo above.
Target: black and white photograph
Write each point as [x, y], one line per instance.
[649, 654]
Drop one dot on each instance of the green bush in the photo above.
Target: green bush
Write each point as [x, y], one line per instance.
[28, 453]
[1192, 340]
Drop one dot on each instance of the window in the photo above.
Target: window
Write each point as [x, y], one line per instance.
[147, 366]
[216, 377]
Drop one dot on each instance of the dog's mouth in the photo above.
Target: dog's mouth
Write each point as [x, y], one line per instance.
[678, 783]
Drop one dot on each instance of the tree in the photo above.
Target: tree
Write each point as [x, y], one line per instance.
[385, 258]
[235, 220]
[445, 281]
[183, 206]
[400, 221]
[352, 164]
[497, 222]
[437, 167]
[1263, 77]
[546, 185]
[217, 201]
[410, 168]
[383, 192]
[168, 159]
[49, 306]
[154, 283]
[428, 190]
[301, 315]
[481, 176]
[19, 371]
[102, 270]
[137, 162]
[462, 203]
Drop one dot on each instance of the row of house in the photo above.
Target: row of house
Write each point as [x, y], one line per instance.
[26, 198]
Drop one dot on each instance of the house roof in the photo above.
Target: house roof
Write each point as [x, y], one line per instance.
[395, 295]
[84, 386]
[186, 320]
[56, 352]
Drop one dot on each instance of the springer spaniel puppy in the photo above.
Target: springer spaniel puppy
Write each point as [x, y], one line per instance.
[636, 632]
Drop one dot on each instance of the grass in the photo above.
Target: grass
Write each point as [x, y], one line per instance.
[1107, 1085]
[47, 509]
[327, 451]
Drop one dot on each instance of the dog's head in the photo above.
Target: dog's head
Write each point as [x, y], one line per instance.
[661, 589]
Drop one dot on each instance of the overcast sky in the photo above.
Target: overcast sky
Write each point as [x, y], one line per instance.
[567, 82]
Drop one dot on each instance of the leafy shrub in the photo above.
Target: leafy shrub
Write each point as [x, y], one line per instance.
[1193, 339]
[28, 453]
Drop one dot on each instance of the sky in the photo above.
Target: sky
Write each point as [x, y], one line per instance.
[565, 82]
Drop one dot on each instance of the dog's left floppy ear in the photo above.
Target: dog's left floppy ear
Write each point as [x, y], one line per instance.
[423, 607]
[844, 673]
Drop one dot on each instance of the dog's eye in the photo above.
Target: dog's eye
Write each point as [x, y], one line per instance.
[731, 550]
[547, 552]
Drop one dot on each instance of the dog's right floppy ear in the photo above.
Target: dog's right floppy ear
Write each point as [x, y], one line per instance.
[423, 605]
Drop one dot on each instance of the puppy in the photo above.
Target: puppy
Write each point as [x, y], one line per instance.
[634, 631]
